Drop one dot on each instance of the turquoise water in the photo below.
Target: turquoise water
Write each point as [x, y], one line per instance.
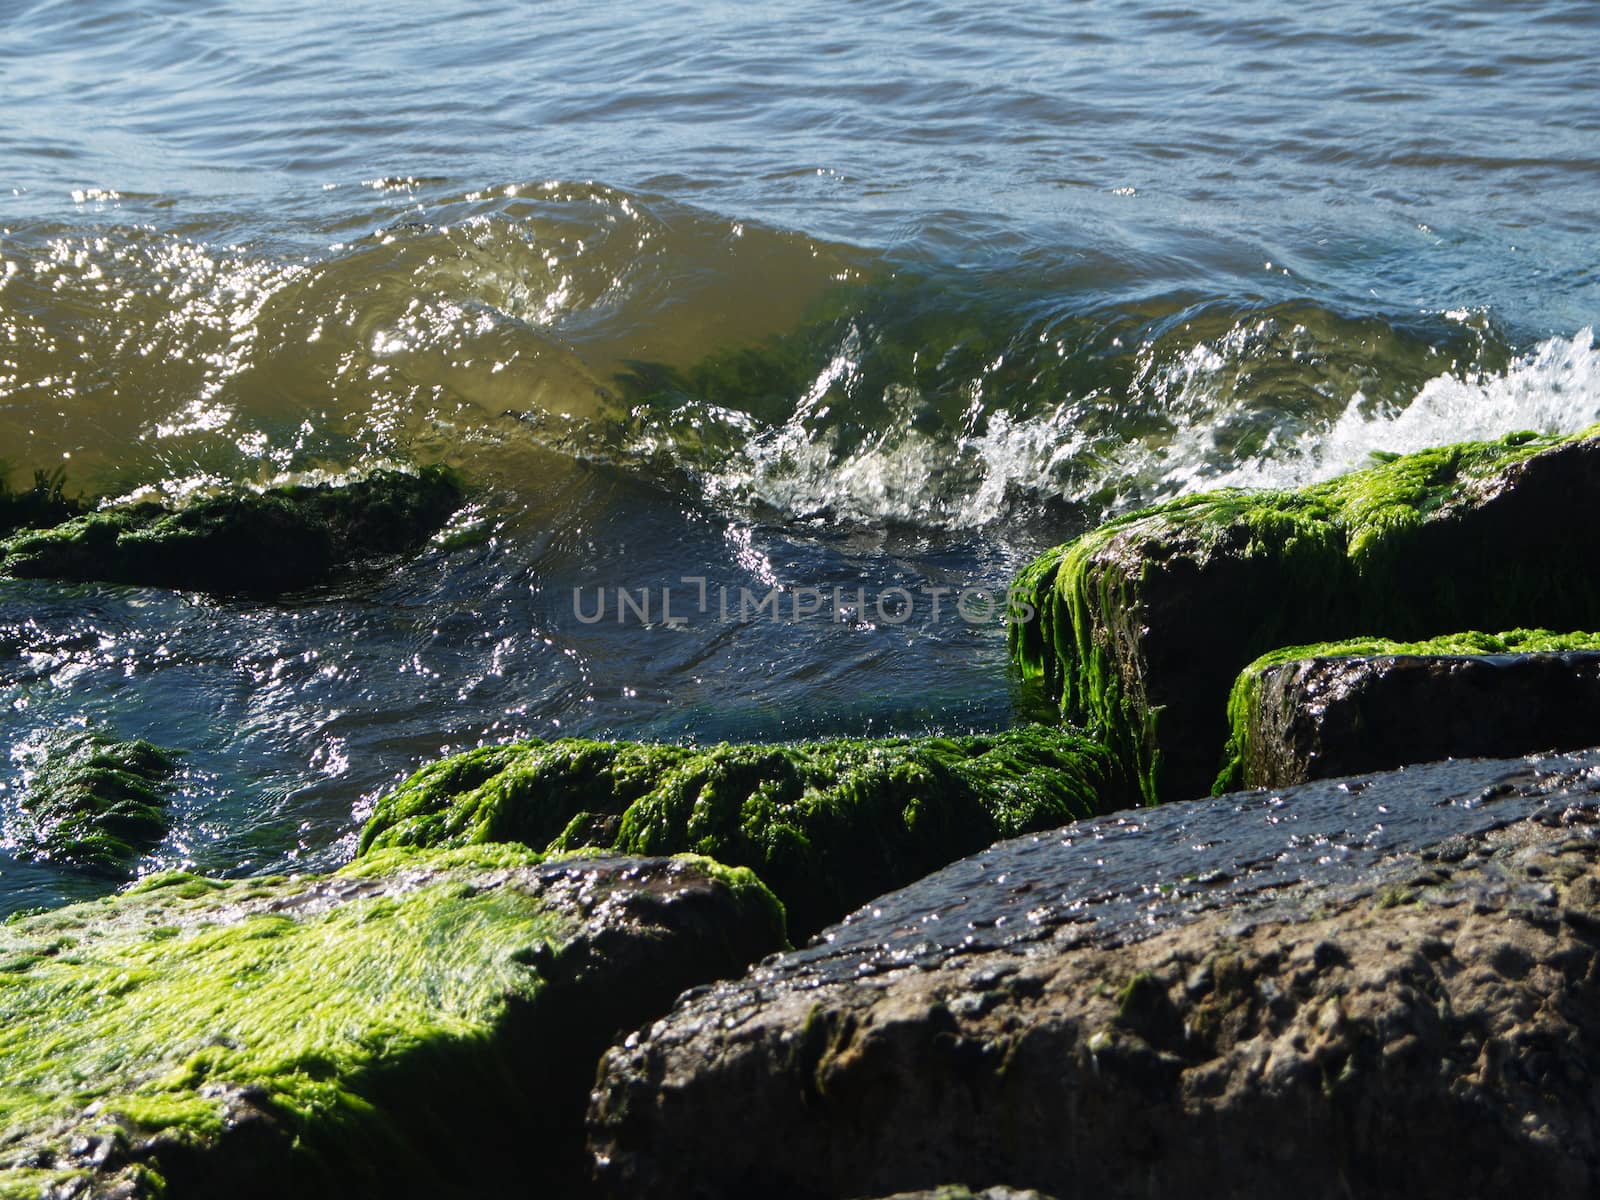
[802, 298]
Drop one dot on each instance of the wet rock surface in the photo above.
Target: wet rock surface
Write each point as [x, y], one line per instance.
[424, 1023]
[1318, 718]
[245, 543]
[1384, 986]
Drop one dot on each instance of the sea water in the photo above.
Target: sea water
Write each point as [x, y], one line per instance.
[801, 326]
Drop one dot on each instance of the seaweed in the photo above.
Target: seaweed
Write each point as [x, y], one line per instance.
[44, 504]
[96, 803]
[826, 825]
[395, 1028]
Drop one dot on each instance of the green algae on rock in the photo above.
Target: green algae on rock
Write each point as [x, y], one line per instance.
[828, 825]
[44, 504]
[1140, 626]
[1368, 704]
[250, 542]
[95, 802]
[418, 1023]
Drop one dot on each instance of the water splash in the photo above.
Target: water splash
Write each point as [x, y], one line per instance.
[1555, 388]
[1096, 414]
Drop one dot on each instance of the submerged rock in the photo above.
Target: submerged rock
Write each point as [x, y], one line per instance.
[254, 543]
[1381, 987]
[827, 825]
[94, 802]
[418, 1024]
[1141, 626]
[1315, 712]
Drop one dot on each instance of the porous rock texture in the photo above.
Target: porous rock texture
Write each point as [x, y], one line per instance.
[419, 1024]
[1342, 708]
[1381, 987]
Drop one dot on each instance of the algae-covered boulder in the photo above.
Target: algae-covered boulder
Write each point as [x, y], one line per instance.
[1141, 626]
[93, 802]
[827, 825]
[1386, 987]
[418, 1024]
[44, 504]
[1366, 704]
[248, 542]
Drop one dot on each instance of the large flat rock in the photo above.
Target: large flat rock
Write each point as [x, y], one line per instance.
[420, 1024]
[1385, 986]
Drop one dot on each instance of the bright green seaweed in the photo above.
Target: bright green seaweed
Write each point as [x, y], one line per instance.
[826, 825]
[368, 1017]
[135, 1004]
[1128, 640]
[1244, 699]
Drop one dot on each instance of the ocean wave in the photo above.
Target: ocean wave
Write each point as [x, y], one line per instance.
[757, 369]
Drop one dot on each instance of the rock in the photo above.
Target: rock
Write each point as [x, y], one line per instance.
[1341, 708]
[1141, 626]
[827, 825]
[957, 1191]
[44, 504]
[1383, 987]
[246, 543]
[94, 802]
[417, 1024]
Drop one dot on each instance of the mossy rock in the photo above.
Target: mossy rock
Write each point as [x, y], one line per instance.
[1369, 704]
[1140, 627]
[95, 802]
[42, 505]
[417, 1024]
[828, 825]
[242, 543]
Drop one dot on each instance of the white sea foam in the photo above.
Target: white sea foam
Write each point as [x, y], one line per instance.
[1553, 389]
[904, 474]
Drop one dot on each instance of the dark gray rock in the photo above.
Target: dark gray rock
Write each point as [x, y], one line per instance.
[1386, 986]
[1317, 718]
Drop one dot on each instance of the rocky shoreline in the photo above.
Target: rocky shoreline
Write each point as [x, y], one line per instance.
[1419, 1025]
[1352, 984]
